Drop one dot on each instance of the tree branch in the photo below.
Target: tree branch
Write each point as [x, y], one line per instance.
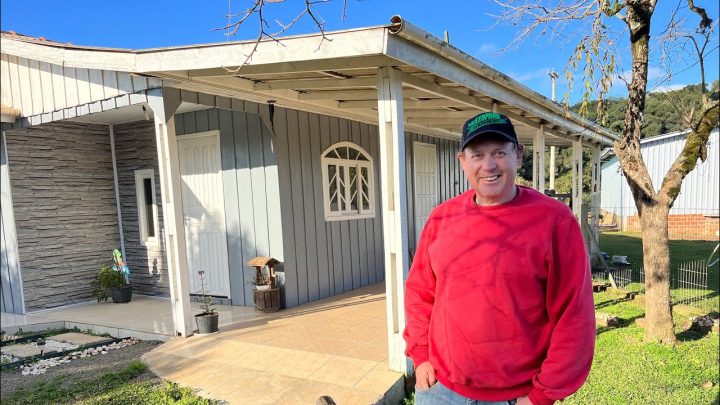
[695, 147]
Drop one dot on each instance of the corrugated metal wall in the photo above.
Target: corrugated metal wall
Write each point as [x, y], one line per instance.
[700, 188]
[11, 300]
[250, 185]
[135, 149]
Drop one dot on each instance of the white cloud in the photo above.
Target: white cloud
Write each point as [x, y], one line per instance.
[655, 76]
[487, 48]
[541, 73]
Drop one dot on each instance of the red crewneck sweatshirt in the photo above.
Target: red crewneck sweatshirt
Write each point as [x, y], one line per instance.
[499, 299]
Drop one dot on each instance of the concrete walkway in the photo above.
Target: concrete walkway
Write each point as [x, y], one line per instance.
[335, 347]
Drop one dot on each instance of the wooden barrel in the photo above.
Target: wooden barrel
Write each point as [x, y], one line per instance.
[267, 301]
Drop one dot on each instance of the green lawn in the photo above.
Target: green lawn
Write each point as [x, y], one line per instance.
[625, 370]
[681, 251]
[125, 387]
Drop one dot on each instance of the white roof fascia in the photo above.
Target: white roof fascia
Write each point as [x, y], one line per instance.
[121, 61]
[492, 83]
[313, 48]
[665, 136]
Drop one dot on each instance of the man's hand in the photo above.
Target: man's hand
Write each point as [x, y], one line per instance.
[425, 376]
[524, 401]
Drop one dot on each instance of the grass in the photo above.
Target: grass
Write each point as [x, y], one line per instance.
[681, 251]
[116, 388]
[627, 370]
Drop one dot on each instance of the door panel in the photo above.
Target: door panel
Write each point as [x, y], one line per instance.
[204, 212]
[426, 184]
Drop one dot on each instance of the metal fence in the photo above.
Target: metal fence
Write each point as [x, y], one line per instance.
[688, 284]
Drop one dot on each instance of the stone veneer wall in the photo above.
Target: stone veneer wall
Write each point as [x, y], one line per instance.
[135, 149]
[65, 214]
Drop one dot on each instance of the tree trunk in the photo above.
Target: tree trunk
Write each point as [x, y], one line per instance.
[659, 325]
[653, 210]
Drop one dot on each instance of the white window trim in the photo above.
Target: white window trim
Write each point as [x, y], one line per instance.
[347, 163]
[140, 175]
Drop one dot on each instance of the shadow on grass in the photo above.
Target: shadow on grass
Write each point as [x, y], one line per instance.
[612, 301]
[690, 335]
[624, 322]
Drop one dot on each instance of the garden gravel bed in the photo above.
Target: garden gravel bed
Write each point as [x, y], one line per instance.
[78, 369]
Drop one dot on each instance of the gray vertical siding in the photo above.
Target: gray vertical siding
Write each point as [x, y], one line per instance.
[322, 258]
[250, 188]
[450, 175]
[65, 212]
[136, 149]
[11, 283]
[274, 201]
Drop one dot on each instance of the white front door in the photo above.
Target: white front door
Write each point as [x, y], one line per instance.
[426, 184]
[204, 211]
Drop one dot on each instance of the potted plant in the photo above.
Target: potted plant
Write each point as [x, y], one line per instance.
[207, 321]
[111, 283]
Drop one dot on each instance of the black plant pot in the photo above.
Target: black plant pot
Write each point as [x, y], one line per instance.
[121, 295]
[207, 323]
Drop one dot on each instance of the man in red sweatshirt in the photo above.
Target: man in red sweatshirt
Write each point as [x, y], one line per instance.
[499, 299]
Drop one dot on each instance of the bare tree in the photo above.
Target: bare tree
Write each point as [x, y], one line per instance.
[256, 13]
[596, 53]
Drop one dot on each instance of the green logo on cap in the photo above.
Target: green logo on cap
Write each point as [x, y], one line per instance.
[485, 119]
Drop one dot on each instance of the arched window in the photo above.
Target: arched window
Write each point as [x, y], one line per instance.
[347, 182]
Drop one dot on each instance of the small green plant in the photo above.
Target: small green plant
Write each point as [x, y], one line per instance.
[206, 300]
[106, 279]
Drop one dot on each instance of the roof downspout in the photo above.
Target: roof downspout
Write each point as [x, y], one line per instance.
[117, 190]
[414, 34]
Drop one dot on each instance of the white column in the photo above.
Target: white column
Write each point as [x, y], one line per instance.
[577, 178]
[111, 130]
[394, 209]
[539, 159]
[595, 195]
[164, 107]
[552, 168]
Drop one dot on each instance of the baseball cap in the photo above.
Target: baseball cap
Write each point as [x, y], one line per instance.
[485, 124]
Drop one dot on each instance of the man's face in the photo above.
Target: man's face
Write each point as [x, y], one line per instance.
[491, 166]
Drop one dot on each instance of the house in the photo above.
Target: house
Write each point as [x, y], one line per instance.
[695, 215]
[326, 152]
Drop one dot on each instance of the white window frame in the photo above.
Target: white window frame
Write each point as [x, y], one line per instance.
[140, 176]
[348, 214]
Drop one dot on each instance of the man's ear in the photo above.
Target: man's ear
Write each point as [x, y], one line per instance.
[461, 156]
[520, 150]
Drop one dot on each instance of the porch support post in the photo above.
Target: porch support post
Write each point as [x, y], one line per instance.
[595, 197]
[394, 210]
[577, 172]
[164, 106]
[552, 168]
[539, 159]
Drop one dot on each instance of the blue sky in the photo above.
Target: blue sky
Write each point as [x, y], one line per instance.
[148, 24]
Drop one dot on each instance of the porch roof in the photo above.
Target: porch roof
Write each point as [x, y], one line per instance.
[337, 73]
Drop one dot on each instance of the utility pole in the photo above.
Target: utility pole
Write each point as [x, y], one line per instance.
[553, 76]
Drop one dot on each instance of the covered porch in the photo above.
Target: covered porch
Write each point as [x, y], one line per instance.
[335, 347]
[396, 77]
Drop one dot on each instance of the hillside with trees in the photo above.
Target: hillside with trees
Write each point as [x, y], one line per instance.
[662, 115]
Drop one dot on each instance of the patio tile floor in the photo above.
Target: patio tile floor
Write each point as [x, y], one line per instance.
[336, 347]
